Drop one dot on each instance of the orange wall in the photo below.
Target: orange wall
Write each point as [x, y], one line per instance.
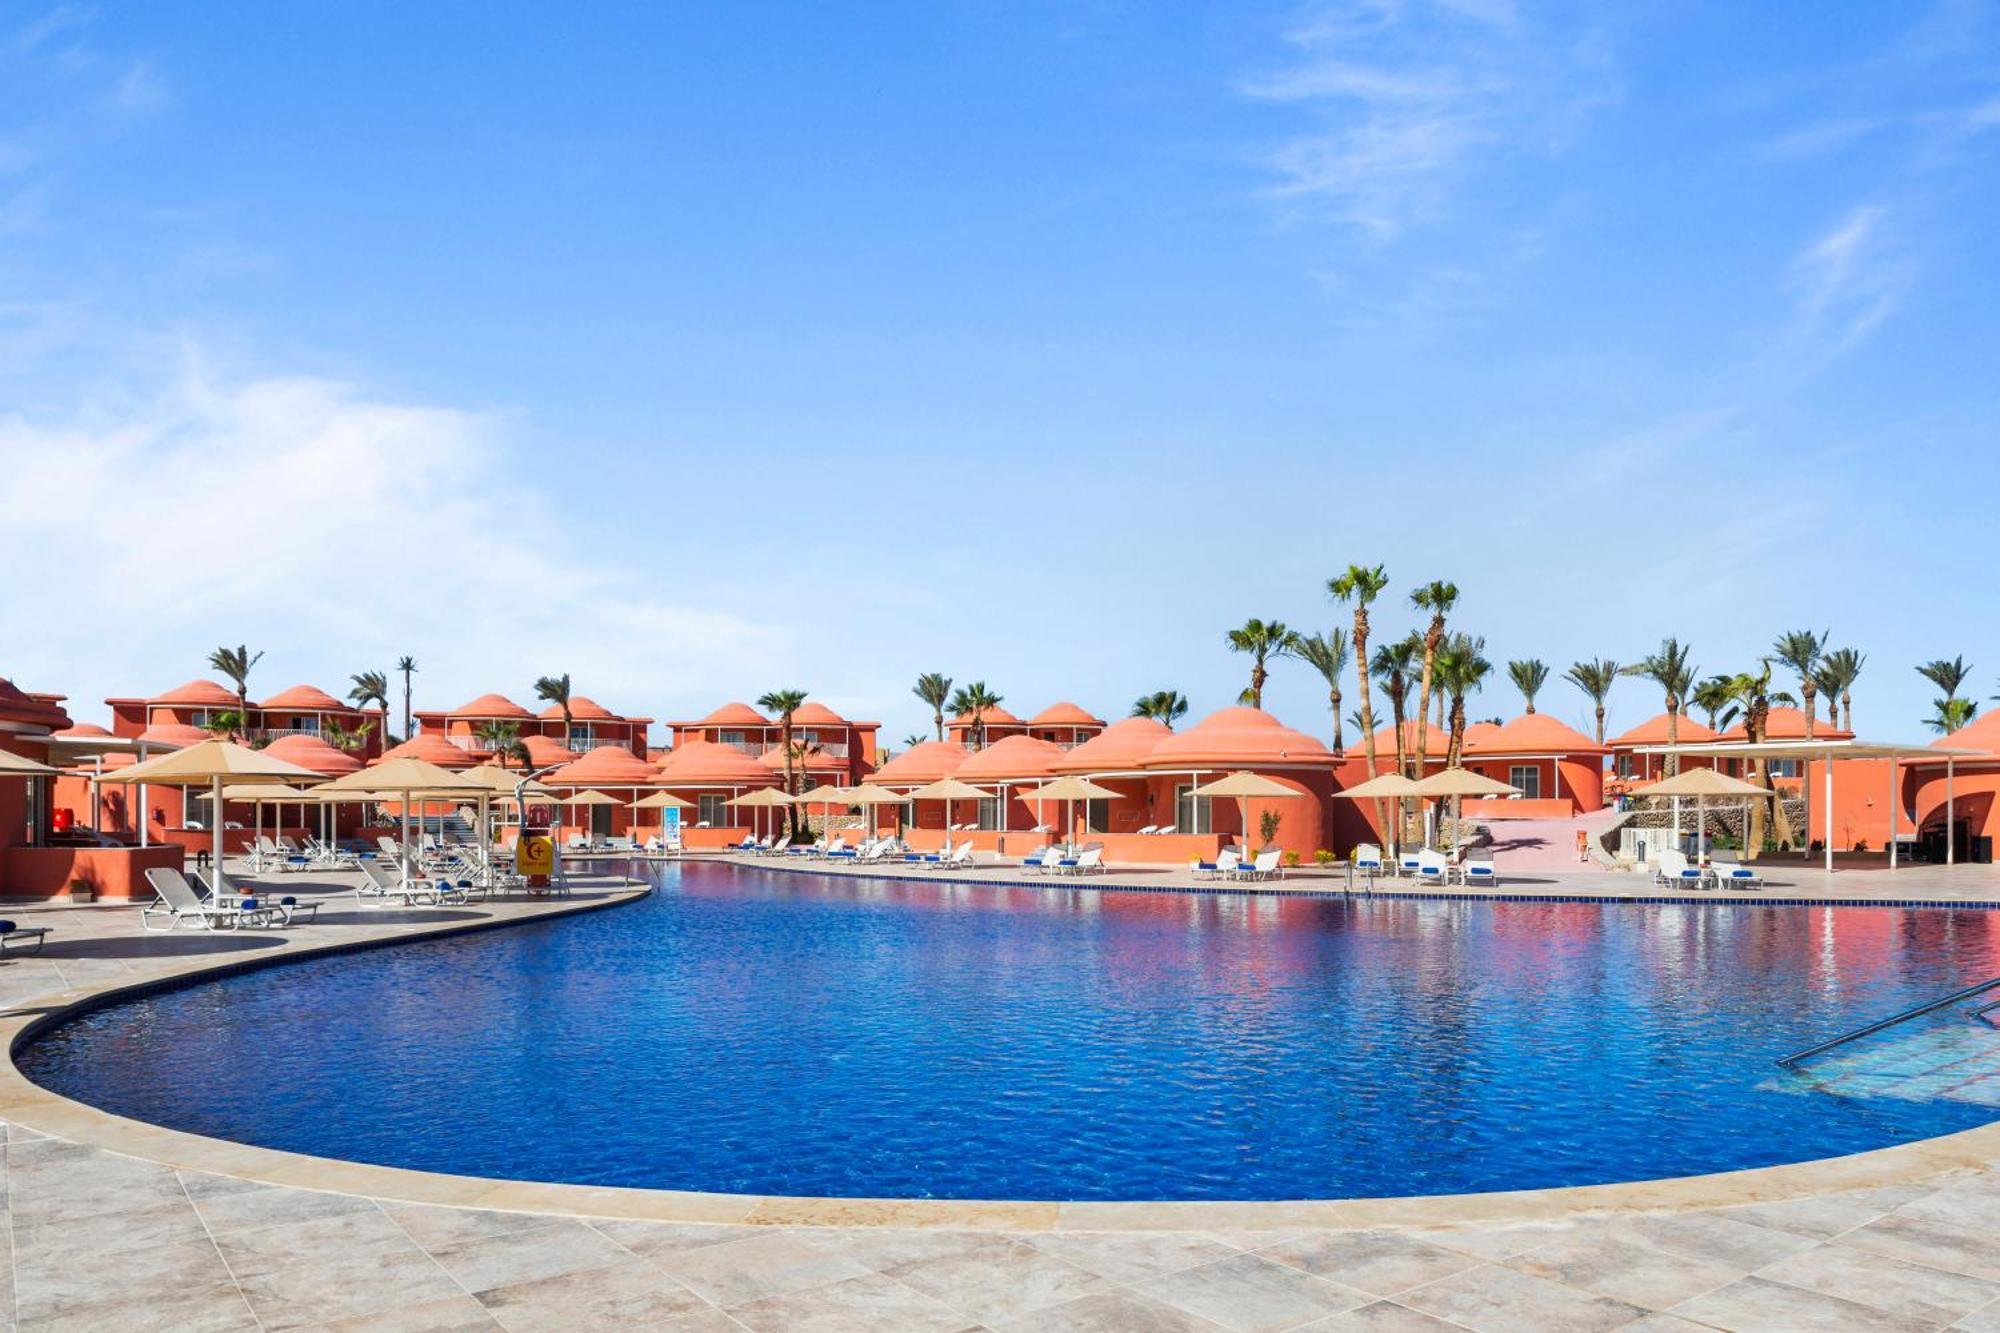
[45, 872]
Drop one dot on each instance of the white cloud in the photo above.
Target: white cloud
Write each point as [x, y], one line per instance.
[1847, 281]
[337, 530]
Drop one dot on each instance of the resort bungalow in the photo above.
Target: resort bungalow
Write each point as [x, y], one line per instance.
[199, 706]
[711, 774]
[919, 766]
[1630, 768]
[1956, 798]
[471, 727]
[996, 724]
[814, 726]
[613, 769]
[1240, 740]
[1064, 724]
[1007, 767]
[1558, 770]
[591, 726]
[1113, 759]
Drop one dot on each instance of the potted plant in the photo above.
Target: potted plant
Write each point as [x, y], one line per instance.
[82, 890]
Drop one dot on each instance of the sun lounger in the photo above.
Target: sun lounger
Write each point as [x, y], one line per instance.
[380, 882]
[1432, 867]
[1672, 868]
[181, 906]
[1407, 864]
[1477, 872]
[1150, 828]
[1165, 830]
[1048, 863]
[12, 934]
[1264, 867]
[1733, 875]
[1368, 859]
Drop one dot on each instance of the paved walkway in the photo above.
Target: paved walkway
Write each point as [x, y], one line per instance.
[103, 1240]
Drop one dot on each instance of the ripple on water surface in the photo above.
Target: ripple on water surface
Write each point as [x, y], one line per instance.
[765, 1032]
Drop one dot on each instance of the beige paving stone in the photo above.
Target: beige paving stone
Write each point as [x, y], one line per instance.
[702, 1321]
[1615, 1260]
[1381, 1317]
[656, 1238]
[1493, 1299]
[857, 1305]
[1985, 1320]
[1825, 1216]
[1002, 1282]
[1251, 1294]
[273, 1205]
[758, 1266]
[451, 1314]
[318, 1288]
[432, 1226]
[1712, 1236]
[1110, 1312]
[631, 1294]
[1132, 1256]
[193, 1306]
[1755, 1305]
[1891, 1285]
[343, 1238]
[1381, 1263]
[59, 1283]
[515, 1257]
[1919, 1240]
[58, 1242]
[883, 1249]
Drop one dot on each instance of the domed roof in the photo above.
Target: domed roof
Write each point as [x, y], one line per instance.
[1241, 737]
[1982, 733]
[1122, 745]
[492, 705]
[995, 716]
[581, 709]
[921, 764]
[1784, 723]
[314, 753]
[1533, 733]
[736, 715]
[813, 713]
[546, 750]
[82, 731]
[1653, 731]
[1064, 714]
[1011, 757]
[175, 734]
[708, 764]
[308, 697]
[203, 692]
[1476, 732]
[815, 761]
[607, 764]
[1437, 741]
[429, 747]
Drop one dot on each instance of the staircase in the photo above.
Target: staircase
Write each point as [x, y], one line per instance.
[1952, 1057]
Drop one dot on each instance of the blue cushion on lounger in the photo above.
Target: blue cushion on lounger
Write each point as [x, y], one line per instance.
[8, 927]
[248, 904]
[288, 901]
[1204, 865]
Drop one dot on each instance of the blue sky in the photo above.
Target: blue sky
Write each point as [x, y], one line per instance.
[703, 350]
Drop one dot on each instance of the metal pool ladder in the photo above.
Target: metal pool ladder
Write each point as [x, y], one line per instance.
[1799, 1057]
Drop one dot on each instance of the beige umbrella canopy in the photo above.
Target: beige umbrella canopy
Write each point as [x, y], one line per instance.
[1703, 782]
[762, 798]
[590, 798]
[1244, 786]
[1461, 782]
[868, 794]
[1384, 786]
[210, 764]
[403, 775]
[267, 791]
[948, 789]
[501, 781]
[666, 800]
[18, 766]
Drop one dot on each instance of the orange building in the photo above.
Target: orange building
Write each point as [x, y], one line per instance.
[835, 747]
[471, 727]
[1250, 740]
[1558, 770]
[711, 774]
[302, 710]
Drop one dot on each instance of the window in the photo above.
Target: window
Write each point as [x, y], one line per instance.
[1784, 768]
[195, 808]
[309, 724]
[713, 810]
[1097, 816]
[1526, 777]
[1192, 814]
[989, 812]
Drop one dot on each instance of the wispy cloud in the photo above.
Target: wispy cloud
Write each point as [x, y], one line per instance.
[1409, 97]
[1847, 280]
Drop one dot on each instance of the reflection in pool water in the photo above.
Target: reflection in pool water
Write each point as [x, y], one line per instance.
[754, 1031]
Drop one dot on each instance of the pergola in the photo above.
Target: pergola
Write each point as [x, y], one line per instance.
[1825, 752]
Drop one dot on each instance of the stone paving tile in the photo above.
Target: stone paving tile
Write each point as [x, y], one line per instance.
[273, 1205]
[1755, 1305]
[59, 1283]
[185, 1306]
[1824, 1216]
[756, 1267]
[1002, 1281]
[336, 1239]
[451, 1314]
[515, 1257]
[1382, 1317]
[1492, 1299]
[1110, 1312]
[1132, 1256]
[883, 1249]
[657, 1238]
[1381, 1263]
[1251, 1294]
[433, 1227]
[1980, 1321]
[1919, 1240]
[629, 1294]
[702, 1321]
[856, 1305]
[1891, 1285]
[318, 1287]
[1616, 1261]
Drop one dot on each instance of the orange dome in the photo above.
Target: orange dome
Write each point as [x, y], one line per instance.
[606, 765]
[1437, 741]
[1784, 723]
[175, 734]
[735, 715]
[205, 693]
[707, 764]
[1011, 757]
[1064, 714]
[995, 716]
[921, 764]
[493, 706]
[1982, 733]
[546, 750]
[1533, 733]
[308, 697]
[816, 714]
[82, 730]
[581, 709]
[314, 753]
[1653, 731]
[1238, 737]
[429, 747]
[1479, 731]
[1122, 745]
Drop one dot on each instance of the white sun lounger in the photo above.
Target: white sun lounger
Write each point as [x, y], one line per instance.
[180, 906]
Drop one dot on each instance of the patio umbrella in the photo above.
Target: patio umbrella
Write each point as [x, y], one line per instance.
[1700, 783]
[1458, 783]
[259, 792]
[763, 798]
[402, 779]
[19, 766]
[824, 797]
[211, 764]
[591, 800]
[869, 796]
[1383, 786]
[947, 790]
[1243, 786]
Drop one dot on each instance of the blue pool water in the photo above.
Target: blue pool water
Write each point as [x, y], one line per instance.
[754, 1031]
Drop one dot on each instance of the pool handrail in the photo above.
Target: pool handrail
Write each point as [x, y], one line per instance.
[1919, 1011]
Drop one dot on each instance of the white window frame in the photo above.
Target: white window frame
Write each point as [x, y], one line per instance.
[1530, 785]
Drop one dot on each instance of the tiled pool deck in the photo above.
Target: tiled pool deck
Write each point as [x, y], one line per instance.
[113, 1225]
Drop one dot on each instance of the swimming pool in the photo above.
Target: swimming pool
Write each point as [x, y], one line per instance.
[757, 1031]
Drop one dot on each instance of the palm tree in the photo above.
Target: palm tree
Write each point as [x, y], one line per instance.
[1438, 599]
[1948, 715]
[1947, 676]
[1838, 671]
[1594, 679]
[784, 703]
[346, 739]
[1165, 706]
[934, 688]
[1395, 667]
[503, 741]
[1529, 675]
[1669, 669]
[1462, 669]
[1715, 698]
[1753, 690]
[555, 690]
[1362, 584]
[1800, 649]
[913, 740]
[370, 687]
[1262, 639]
[1327, 654]
[235, 663]
[408, 666]
[973, 701]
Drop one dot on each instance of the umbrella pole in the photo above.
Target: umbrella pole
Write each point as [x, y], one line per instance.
[215, 818]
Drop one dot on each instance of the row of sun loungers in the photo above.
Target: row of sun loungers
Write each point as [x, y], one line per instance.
[1426, 865]
[180, 906]
[1673, 868]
